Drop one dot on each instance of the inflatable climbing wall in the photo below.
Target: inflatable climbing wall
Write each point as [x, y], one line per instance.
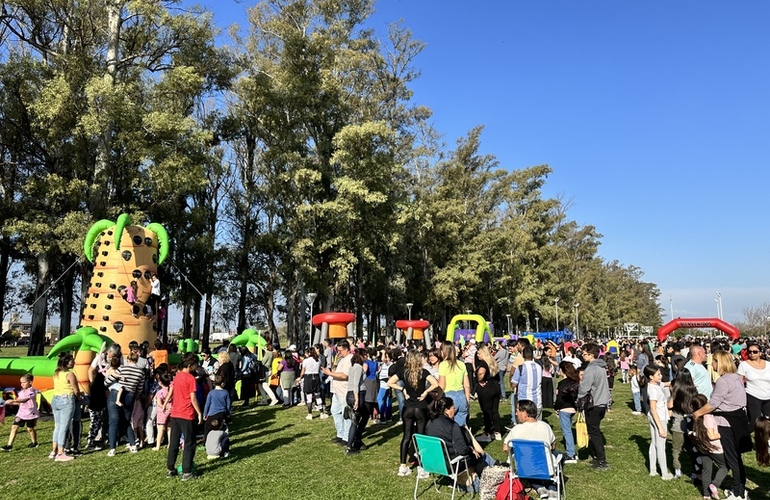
[122, 253]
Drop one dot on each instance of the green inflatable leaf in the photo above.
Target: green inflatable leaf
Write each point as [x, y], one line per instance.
[123, 221]
[88, 245]
[160, 231]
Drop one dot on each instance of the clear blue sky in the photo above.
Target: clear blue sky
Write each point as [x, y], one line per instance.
[653, 115]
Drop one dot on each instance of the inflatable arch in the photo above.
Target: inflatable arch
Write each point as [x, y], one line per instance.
[717, 323]
[482, 327]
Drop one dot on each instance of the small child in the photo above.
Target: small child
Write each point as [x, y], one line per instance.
[163, 410]
[27, 414]
[115, 386]
[217, 404]
[705, 435]
[636, 391]
[217, 440]
[762, 440]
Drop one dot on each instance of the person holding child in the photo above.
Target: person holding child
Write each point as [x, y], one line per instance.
[27, 413]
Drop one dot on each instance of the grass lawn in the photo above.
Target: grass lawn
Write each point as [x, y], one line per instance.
[278, 454]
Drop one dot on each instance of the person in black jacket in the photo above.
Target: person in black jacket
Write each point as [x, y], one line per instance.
[566, 398]
[459, 440]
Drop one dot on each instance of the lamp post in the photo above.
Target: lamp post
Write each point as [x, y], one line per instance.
[537, 323]
[577, 320]
[409, 306]
[556, 304]
[310, 299]
[509, 322]
[719, 306]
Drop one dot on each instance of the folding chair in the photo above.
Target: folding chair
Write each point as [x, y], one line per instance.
[534, 460]
[433, 457]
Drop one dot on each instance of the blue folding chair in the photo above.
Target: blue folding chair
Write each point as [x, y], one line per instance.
[533, 460]
[433, 457]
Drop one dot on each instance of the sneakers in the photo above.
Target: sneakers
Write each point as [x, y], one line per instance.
[324, 416]
[212, 457]
[63, 458]
[133, 449]
[32, 445]
[273, 402]
[187, 476]
[171, 473]
[543, 493]
[600, 465]
[714, 492]
[352, 451]
[667, 476]
[404, 470]
[111, 453]
[52, 455]
[8, 447]
[498, 436]
[636, 413]
[677, 474]
[571, 460]
[422, 473]
[309, 416]
[483, 438]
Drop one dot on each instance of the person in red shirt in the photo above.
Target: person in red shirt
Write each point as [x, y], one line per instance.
[184, 407]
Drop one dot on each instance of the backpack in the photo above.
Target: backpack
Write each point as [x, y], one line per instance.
[511, 489]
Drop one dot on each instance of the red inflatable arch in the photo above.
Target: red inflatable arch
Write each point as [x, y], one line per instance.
[717, 323]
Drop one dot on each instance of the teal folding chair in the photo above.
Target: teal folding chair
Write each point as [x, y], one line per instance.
[433, 457]
[533, 460]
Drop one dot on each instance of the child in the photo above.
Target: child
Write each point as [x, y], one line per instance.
[657, 414]
[636, 392]
[217, 440]
[115, 386]
[217, 405]
[162, 409]
[624, 366]
[27, 414]
[705, 436]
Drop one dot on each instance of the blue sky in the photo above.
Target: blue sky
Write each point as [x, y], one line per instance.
[653, 115]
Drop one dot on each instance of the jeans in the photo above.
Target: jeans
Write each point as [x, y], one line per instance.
[637, 401]
[400, 399]
[120, 417]
[385, 404]
[63, 408]
[358, 422]
[76, 426]
[340, 423]
[501, 377]
[594, 417]
[461, 406]
[179, 428]
[565, 419]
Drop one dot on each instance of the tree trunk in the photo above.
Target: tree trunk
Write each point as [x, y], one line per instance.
[207, 321]
[40, 307]
[67, 289]
[243, 290]
[186, 320]
[196, 320]
[5, 265]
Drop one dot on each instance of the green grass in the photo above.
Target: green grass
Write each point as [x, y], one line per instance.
[278, 454]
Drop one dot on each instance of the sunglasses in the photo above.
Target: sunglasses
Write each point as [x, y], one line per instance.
[753, 352]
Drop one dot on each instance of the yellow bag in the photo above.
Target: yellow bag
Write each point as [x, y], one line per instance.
[581, 430]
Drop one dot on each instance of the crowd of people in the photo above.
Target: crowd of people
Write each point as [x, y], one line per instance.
[710, 397]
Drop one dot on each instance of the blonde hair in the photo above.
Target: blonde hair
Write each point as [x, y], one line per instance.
[413, 368]
[725, 363]
[484, 354]
[223, 356]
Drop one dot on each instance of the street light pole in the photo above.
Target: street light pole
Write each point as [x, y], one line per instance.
[556, 304]
[719, 308]
[311, 300]
[537, 323]
[409, 306]
[577, 320]
[509, 322]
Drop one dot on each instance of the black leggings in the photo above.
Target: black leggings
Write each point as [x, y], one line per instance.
[489, 401]
[733, 459]
[414, 421]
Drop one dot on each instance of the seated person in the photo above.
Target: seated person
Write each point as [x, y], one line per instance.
[217, 440]
[532, 429]
[459, 440]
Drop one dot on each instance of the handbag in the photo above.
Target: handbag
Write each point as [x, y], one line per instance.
[584, 403]
[581, 431]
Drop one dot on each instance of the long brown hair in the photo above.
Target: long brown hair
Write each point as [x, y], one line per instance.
[700, 437]
[449, 353]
